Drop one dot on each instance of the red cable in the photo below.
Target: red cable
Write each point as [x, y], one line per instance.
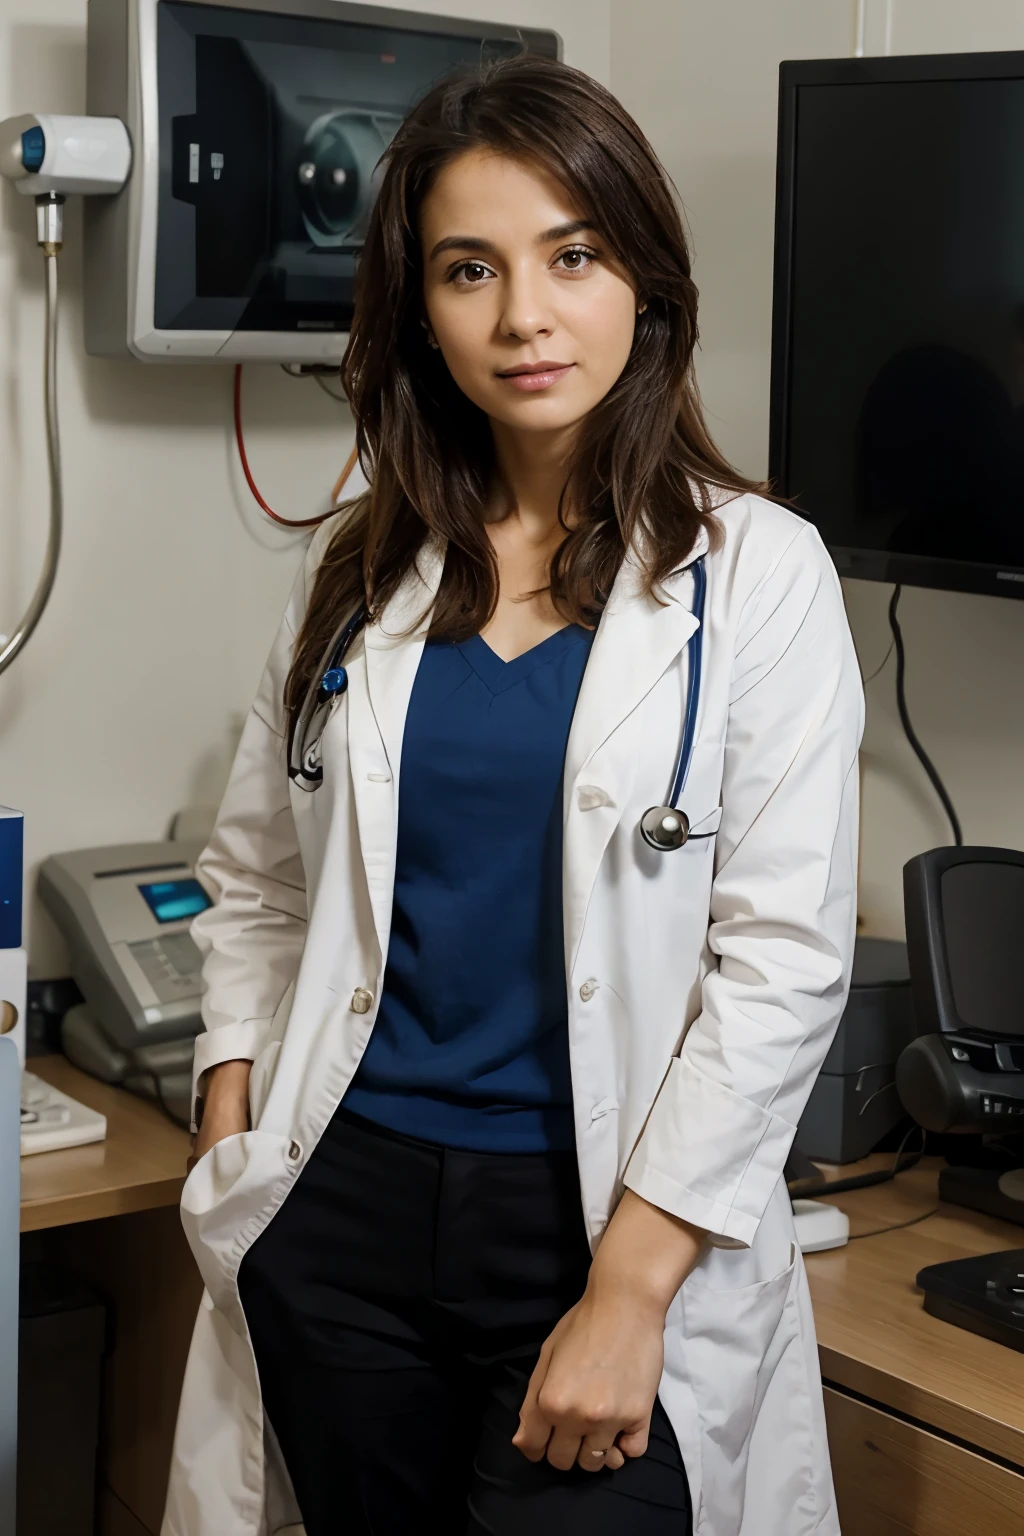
[287, 522]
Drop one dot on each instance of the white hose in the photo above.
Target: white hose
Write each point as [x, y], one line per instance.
[44, 587]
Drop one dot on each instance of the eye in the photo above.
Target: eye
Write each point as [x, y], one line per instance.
[469, 274]
[578, 258]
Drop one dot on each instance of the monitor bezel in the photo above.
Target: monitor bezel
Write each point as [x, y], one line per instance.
[854, 561]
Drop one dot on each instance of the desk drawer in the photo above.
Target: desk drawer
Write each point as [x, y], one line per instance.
[893, 1479]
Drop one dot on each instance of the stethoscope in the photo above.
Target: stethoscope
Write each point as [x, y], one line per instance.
[663, 827]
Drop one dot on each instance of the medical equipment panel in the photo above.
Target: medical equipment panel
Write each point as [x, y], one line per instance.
[125, 913]
[257, 130]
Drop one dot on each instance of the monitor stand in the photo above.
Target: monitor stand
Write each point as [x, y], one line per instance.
[985, 1174]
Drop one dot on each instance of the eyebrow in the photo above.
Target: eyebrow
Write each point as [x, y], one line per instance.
[487, 247]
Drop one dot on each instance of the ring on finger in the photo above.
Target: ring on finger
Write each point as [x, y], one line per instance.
[599, 1453]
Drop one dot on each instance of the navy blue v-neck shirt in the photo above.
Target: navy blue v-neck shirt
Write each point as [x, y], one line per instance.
[470, 1046]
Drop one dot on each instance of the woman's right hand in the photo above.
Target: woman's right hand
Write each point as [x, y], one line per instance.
[224, 1091]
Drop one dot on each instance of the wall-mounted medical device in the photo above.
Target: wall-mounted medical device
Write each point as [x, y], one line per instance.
[47, 153]
[125, 913]
[257, 128]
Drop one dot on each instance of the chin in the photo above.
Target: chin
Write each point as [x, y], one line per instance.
[539, 416]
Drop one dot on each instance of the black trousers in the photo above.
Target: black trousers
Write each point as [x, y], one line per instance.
[397, 1304]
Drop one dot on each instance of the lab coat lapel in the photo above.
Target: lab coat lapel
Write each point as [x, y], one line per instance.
[379, 693]
[639, 637]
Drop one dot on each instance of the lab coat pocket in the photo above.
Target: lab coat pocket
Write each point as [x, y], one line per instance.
[225, 1198]
[733, 1341]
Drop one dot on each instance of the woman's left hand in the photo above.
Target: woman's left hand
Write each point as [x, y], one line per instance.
[591, 1395]
[594, 1386]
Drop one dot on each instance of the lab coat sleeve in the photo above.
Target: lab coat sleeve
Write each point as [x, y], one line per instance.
[252, 937]
[782, 911]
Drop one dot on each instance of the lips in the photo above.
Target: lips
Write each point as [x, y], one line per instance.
[530, 377]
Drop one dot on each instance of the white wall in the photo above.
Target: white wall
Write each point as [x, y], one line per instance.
[125, 704]
[702, 80]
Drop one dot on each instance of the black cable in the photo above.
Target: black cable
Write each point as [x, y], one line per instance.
[896, 1226]
[911, 734]
[881, 665]
[811, 1188]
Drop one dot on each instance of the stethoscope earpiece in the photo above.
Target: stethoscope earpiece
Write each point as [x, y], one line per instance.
[664, 827]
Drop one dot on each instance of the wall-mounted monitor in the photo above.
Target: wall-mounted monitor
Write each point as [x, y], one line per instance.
[257, 129]
[897, 421]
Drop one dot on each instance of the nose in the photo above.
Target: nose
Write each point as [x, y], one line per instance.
[526, 313]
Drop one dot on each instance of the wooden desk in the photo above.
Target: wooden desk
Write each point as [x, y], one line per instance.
[926, 1421]
[110, 1213]
[139, 1167]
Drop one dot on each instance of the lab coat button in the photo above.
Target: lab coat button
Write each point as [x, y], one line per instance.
[590, 796]
[294, 1152]
[588, 989]
[361, 1000]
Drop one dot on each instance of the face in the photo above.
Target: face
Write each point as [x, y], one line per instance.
[531, 311]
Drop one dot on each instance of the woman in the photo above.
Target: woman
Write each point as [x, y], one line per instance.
[507, 1246]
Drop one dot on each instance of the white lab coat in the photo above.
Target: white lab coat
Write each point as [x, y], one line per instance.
[704, 986]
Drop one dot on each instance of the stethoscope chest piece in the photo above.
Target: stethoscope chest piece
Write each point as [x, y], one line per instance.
[664, 827]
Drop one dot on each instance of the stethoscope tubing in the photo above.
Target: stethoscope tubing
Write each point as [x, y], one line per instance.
[308, 772]
[663, 828]
[694, 662]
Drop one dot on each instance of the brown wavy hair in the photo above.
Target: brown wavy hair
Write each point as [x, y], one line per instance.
[644, 471]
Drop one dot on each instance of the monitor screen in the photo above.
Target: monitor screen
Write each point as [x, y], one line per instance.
[272, 128]
[172, 900]
[898, 369]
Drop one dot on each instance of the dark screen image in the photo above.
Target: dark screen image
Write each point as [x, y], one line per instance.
[905, 421]
[271, 131]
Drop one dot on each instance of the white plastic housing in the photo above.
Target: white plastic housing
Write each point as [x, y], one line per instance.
[820, 1225]
[83, 154]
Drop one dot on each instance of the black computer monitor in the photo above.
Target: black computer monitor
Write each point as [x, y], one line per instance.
[897, 409]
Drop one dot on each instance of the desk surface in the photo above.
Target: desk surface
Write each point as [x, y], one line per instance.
[874, 1335]
[141, 1164]
[876, 1339]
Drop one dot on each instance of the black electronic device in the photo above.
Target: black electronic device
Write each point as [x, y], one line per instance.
[854, 1103]
[965, 1071]
[897, 419]
[984, 1294]
[965, 945]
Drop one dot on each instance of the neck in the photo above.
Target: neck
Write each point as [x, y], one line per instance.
[531, 473]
